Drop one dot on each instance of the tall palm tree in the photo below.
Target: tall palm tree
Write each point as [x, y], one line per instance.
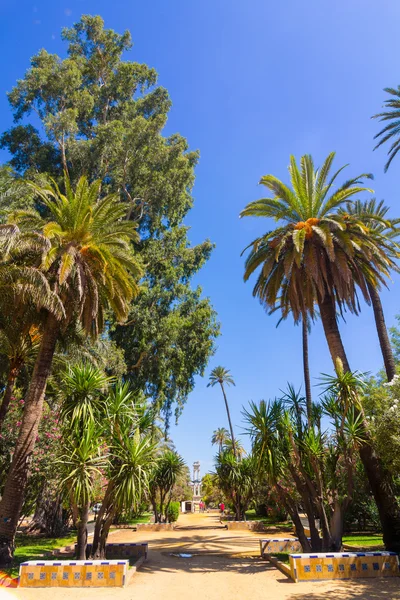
[220, 437]
[374, 215]
[90, 267]
[220, 375]
[318, 256]
[391, 131]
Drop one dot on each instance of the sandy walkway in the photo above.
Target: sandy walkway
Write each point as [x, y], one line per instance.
[224, 566]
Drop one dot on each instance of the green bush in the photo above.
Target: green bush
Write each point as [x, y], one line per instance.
[173, 512]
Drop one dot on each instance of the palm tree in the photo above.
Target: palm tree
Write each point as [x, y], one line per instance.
[19, 342]
[373, 214]
[90, 267]
[319, 256]
[390, 131]
[220, 375]
[220, 437]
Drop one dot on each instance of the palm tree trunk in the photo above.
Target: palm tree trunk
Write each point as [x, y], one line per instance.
[12, 376]
[384, 341]
[14, 490]
[306, 368]
[229, 420]
[380, 480]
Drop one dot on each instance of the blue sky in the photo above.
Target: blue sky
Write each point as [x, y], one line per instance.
[251, 83]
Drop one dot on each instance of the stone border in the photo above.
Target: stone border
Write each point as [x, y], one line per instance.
[245, 525]
[283, 568]
[155, 527]
[270, 546]
[121, 550]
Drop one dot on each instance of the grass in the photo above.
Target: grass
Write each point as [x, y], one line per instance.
[29, 547]
[363, 540]
[252, 516]
[282, 556]
[144, 518]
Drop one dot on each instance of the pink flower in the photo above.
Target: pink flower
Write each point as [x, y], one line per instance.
[18, 423]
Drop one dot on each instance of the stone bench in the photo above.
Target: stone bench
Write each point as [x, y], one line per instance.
[245, 525]
[123, 550]
[343, 565]
[155, 526]
[276, 545]
[79, 573]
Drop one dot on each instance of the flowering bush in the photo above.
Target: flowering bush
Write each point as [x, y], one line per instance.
[383, 409]
[43, 467]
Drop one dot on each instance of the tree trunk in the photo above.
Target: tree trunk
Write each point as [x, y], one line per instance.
[336, 527]
[101, 548]
[82, 532]
[306, 368]
[12, 376]
[48, 518]
[384, 341]
[329, 322]
[291, 508]
[229, 420]
[14, 490]
[100, 518]
[380, 480]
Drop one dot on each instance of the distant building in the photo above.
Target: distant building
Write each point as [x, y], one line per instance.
[195, 484]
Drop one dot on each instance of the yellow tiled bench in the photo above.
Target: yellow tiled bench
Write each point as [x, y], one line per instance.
[272, 546]
[343, 565]
[123, 550]
[79, 573]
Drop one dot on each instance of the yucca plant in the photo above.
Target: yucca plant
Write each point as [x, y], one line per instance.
[82, 460]
[132, 459]
[84, 388]
[169, 467]
[237, 479]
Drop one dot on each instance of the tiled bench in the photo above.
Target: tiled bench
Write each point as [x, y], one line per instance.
[123, 550]
[343, 565]
[272, 546]
[79, 573]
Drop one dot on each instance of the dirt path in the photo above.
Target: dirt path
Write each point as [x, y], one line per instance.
[224, 566]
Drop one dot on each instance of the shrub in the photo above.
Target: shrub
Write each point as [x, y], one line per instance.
[173, 512]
